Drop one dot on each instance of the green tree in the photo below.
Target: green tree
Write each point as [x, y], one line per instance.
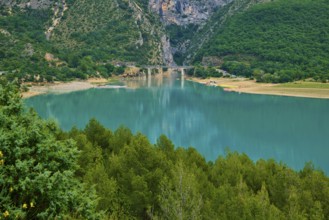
[98, 134]
[37, 170]
[179, 197]
[138, 169]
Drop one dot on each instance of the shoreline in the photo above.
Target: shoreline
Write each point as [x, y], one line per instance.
[240, 85]
[244, 85]
[62, 87]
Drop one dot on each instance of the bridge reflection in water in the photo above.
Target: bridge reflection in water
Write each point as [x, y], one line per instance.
[160, 71]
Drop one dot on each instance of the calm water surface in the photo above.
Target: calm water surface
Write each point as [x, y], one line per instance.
[291, 130]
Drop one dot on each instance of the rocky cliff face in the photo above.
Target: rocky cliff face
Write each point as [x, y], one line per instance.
[184, 12]
[167, 51]
[191, 23]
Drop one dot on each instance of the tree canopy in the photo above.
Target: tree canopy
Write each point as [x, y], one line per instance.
[37, 168]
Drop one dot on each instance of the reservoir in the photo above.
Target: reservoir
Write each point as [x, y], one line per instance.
[288, 129]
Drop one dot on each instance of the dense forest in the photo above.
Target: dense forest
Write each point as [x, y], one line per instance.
[109, 30]
[280, 41]
[23, 46]
[96, 173]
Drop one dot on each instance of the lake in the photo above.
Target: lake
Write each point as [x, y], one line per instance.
[288, 129]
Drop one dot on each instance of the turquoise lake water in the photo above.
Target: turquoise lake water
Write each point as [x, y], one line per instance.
[287, 129]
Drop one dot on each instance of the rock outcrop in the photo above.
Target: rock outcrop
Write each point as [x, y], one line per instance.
[184, 12]
[167, 51]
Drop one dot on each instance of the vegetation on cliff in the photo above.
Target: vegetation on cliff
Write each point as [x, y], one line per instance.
[109, 30]
[279, 41]
[88, 40]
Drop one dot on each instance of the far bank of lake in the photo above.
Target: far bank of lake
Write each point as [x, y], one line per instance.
[240, 85]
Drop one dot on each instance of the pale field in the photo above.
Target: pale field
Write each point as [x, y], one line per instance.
[63, 87]
[243, 85]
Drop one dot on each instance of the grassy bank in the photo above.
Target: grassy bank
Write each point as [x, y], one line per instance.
[243, 85]
[304, 85]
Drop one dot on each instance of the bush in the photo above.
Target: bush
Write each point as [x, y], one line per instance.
[36, 167]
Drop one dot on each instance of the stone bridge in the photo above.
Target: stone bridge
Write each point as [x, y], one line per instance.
[169, 68]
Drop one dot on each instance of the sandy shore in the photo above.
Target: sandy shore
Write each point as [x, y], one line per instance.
[243, 85]
[62, 87]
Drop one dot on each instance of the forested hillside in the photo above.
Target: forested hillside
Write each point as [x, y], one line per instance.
[63, 40]
[48, 173]
[189, 39]
[272, 41]
[23, 43]
[278, 41]
[109, 30]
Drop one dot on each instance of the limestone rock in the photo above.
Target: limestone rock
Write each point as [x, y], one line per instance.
[183, 12]
[167, 51]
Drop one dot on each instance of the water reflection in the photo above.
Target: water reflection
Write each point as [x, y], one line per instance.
[292, 130]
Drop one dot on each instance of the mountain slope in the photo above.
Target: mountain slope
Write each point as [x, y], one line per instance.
[110, 30]
[288, 39]
[184, 19]
[22, 40]
[74, 38]
[275, 41]
[206, 32]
